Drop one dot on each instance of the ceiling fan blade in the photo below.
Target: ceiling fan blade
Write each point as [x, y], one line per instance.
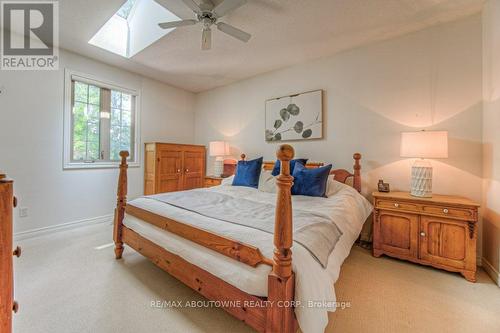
[193, 5]
[234, 32]
[206, 39]
[227, 6]
[176, 24]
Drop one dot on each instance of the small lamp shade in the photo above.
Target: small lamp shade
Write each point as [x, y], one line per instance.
[219, 148]
[424, 144]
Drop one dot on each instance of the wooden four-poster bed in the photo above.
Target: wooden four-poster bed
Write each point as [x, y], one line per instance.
[276, 311]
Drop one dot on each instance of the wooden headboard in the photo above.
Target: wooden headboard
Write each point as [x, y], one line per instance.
[340, 175]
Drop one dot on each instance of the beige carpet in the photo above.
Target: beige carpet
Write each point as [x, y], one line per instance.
[64, 284]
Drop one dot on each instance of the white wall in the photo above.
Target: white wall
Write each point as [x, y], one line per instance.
[31, 141]
[491, 137]
[372, 93]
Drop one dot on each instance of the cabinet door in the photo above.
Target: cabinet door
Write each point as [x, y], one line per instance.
[447, 242]
[169, 170]
[194, 169]
[397, 233]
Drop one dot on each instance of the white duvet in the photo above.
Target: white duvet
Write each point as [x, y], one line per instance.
[347, 208]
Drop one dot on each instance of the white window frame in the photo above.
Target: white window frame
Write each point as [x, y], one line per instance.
[69, 76]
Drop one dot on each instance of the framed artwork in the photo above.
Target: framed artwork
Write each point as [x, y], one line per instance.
[295, 117]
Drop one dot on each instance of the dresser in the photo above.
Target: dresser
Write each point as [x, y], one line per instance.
[173, 167]
[440, 231]
[7, 303]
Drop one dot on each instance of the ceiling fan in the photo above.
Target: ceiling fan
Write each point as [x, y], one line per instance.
[208, 15]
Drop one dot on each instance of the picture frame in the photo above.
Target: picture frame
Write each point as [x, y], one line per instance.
[294, 117]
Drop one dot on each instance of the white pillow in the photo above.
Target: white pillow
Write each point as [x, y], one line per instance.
[267, 182]
[332, 186]
[227, 181]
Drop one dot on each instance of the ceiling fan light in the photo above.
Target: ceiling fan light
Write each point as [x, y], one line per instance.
[206, 39]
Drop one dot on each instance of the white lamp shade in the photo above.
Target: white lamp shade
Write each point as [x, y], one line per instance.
[424, 144]
[219, 148]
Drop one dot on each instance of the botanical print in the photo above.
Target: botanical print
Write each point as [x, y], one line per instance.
[296, 117]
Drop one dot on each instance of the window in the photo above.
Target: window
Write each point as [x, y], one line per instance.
[100, 121]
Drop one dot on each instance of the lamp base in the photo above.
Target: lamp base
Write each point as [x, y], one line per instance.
[421, 179]
[218, 167]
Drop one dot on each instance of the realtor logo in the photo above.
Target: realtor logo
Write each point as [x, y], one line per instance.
[29, 35]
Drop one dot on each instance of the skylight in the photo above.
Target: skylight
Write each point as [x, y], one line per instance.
[133, 28]
[125, 10]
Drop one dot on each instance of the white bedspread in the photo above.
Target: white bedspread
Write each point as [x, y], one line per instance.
[347, 208]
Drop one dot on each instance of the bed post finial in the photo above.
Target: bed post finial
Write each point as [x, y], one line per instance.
[121, 202]
[243, 156]
[281, 283]
[357, 172]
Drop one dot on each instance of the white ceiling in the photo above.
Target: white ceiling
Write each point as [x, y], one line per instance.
[285, 32]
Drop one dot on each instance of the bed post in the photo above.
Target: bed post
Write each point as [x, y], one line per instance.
[280, 315]
[121, 201]
[357, 172]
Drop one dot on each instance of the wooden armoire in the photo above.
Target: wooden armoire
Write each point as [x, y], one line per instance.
[173, 167]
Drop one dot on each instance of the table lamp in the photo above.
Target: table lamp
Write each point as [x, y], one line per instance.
[421, 145]
[219, 149]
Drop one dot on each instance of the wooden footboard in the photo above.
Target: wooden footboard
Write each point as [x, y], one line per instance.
[247, 308]
[239, 251]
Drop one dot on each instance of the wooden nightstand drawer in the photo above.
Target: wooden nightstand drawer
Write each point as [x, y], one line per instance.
[212, 181]
[451, 212]
[397, 205]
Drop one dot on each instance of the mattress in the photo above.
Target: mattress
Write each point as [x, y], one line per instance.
[314, 283]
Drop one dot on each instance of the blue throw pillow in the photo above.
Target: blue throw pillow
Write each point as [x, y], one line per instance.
[310, 182]
[277, 166]
[248, 173]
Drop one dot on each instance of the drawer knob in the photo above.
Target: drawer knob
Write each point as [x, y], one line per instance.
[178, 170]
[15, 307]
[396, 205]
[17, 252]
[445, 210]
[422, 234]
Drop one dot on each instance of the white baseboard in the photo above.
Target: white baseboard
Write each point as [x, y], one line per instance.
[64, 226]
[492, 272]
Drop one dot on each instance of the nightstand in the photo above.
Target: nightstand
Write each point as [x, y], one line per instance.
[212, 181]
[438, 231]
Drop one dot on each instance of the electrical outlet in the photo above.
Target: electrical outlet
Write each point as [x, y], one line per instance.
[23, 212]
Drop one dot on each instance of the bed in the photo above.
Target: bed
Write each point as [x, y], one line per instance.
[249, 271]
